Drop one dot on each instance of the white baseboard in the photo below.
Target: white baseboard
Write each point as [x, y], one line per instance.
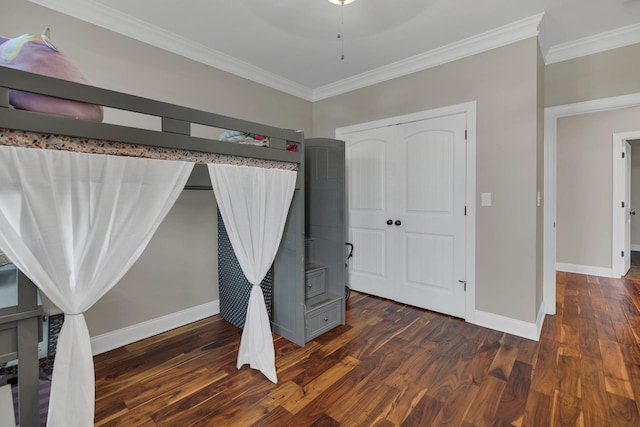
[118, 338]
[635, 247]
[511, 326]
[585, 269]
[540, 320]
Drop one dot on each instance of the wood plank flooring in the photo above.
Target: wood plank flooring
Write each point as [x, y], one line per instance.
[393, 365]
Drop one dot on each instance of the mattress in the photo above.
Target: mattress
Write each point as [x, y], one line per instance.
[18, 138]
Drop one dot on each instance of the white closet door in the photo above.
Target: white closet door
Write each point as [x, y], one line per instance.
[412, 175]
[371, 201]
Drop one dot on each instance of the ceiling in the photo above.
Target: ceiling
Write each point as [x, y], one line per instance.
[292, 45]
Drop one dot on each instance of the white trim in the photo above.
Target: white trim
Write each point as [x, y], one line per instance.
[540, 320]
[118, 338]
[470, 250]
[111, 19]
[498, 37]
[586, 270]
[549, 215]
[469, 109]
[617, 229]
[551, 116]
[511, 326]
[594, 106]
[613, 39]
[635, 247]
[618, 214]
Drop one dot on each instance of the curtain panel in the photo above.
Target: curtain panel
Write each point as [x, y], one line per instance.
[254, 203]
[75, 223]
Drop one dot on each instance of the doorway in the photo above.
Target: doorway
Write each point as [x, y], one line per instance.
[551, 116]
[622, 209]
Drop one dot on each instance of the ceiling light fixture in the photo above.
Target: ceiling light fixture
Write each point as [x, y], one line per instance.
[341, 3]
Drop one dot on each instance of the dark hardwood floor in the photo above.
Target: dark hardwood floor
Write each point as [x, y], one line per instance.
[634, 271]
[393, 365]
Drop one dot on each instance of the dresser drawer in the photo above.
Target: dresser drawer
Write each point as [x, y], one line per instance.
[314, 282]
[323, 318]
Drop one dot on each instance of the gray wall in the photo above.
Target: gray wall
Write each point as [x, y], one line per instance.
[178, 270]
[504, 83]
[584, 170]
[602, 75]
[584, 184]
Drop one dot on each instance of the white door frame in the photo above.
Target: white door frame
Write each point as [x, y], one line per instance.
[551, 116]
[469, 109]
[618, 214]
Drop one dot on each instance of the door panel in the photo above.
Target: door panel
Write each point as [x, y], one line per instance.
[375, 243]
[367, 164]
[429, 261]
[367, 159]
[429, 172]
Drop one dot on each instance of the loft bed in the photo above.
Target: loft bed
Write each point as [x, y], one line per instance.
[174, 141]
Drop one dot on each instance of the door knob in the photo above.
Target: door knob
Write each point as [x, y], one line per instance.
[398, 222]
[632, 213]
[389, 221]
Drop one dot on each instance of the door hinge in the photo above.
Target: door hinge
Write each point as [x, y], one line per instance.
[622, 254]
[464, 282]
[623, 203]
[465, 211]
[623, 154]
[465, 134]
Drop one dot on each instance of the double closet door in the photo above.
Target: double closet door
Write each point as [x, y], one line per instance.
[406, 212]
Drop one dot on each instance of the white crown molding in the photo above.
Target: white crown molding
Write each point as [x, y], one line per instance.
[502, 36]
[103, 16]
[599, 43]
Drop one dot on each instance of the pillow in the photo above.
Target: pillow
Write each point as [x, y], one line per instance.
[243, 138]
[37, 54]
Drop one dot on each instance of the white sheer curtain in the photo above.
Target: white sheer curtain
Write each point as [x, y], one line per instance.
[254, 203]
[75, 223]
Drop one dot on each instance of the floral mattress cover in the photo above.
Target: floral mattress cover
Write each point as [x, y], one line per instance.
[18, 138]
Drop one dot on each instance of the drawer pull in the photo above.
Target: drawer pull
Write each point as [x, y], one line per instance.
[309, 285]
[326, 319]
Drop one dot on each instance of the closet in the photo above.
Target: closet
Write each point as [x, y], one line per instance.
[407, 211]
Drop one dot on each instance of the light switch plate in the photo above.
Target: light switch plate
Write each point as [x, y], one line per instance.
[485, 199]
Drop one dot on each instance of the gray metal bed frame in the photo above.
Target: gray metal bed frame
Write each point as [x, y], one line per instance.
[22, 320]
